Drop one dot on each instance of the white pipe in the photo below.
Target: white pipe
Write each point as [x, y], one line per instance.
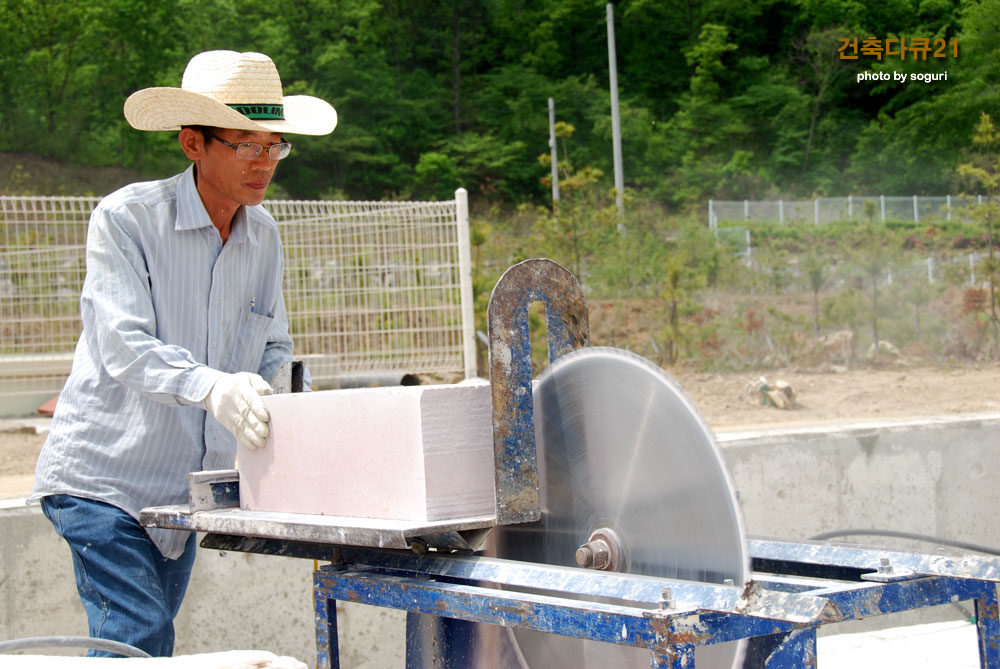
[465, 283]
[616, 132]
[555, 155]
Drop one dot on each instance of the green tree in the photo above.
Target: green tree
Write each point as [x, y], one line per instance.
[705, 124]
[847, 309]
[631, 265]
[909, 144]
[719, 98]
[874, 251]
[134, 36]
[54, 71]
[815, 270]
[573, 232]
[437, 175]
[774, 261]
[918, 293]
[983, 171]
[817, 53]
[680, 281]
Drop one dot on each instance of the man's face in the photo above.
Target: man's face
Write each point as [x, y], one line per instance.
[224, 178]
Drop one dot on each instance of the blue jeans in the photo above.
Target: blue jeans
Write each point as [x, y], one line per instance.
[131, 593]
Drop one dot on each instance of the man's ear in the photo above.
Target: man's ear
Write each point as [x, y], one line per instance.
[192, 143]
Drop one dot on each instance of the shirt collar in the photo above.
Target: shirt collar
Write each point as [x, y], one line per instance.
[242, 229]
[191, 213]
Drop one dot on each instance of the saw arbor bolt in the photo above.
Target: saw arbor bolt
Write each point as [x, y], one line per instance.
[604, 551]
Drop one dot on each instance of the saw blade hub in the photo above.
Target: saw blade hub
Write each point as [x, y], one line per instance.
[604, 550]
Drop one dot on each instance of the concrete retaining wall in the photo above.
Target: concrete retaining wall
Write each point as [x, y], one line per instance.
[935, 477]
[234, 601]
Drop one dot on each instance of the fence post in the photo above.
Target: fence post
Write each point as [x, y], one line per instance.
[711, 217]
[916, 210]
[746, 210]
[882, 199]
[930, 270]
[948, 205]
[465, 283]
[850, 208]
[781, 212]
[554, 152]
[816, 211]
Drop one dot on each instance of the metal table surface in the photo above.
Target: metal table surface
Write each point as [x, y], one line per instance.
[214, 509]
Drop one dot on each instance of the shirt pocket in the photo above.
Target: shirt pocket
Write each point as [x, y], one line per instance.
[251, 339]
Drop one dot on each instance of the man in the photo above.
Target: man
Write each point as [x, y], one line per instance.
[183, 320]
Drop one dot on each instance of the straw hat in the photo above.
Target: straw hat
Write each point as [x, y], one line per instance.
[226, 89]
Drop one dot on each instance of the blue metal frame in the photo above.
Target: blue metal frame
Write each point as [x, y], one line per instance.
[988, 622]
[778, 613]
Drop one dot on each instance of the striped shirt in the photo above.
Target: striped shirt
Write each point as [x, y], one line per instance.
[167, 308]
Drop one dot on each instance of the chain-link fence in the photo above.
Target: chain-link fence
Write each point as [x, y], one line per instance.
[369, 286]
[964, 269]
[828, 209]
[957, 268]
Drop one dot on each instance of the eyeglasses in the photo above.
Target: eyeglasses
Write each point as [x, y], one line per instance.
[250, 150]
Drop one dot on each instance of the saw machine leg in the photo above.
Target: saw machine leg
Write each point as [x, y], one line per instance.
[988, 622]
[679, 656]
[447, 640]
[796, 648]
[327, 643]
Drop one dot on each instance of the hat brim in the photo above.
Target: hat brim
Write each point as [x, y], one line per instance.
[171, 108]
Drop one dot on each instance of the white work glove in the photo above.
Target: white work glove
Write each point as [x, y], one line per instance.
[235, 401]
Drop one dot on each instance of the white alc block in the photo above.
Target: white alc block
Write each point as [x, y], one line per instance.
[410, 453]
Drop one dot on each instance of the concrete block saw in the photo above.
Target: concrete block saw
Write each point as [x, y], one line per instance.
[617, 538]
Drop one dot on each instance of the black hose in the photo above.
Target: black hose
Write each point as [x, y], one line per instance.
[71, 642]
[907, 535]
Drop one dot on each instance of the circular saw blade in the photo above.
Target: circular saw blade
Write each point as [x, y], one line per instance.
[621, 446]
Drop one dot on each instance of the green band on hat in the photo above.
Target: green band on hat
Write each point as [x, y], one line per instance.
[261, 112]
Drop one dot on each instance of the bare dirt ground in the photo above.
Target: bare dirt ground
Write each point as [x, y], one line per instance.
[860, 395]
